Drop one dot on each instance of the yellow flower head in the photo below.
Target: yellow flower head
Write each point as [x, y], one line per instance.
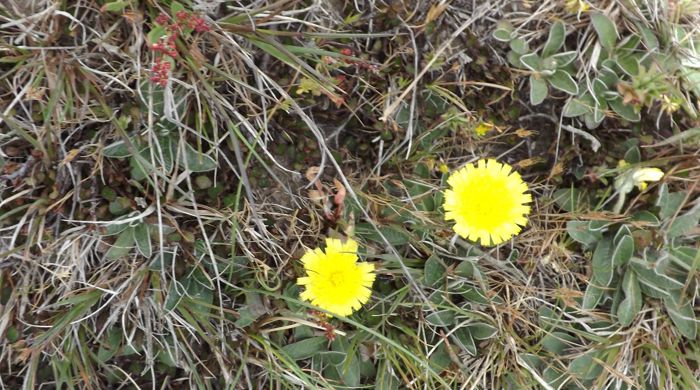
[335, 281]
[487, 201]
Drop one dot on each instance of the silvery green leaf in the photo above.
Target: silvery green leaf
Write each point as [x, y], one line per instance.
[563, 81]
[122, 246]
[538, 90]
[682, 313]
[577, 106]
[196, 161]
[626, 111]
[629, 64]
[532, 61]
[502, 35]
[602, 262]
[519, 45]
[606, 30]
[632, 304]
[555, 40]
[563, 59]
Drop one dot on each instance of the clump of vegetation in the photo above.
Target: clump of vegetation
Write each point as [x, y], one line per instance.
[349, 195]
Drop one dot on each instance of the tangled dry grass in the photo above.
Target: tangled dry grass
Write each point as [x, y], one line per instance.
[150, 235]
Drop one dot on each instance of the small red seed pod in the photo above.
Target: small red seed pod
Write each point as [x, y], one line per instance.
[162, 19]
[182, 15]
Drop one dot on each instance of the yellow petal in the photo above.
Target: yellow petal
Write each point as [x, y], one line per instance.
[647, 174]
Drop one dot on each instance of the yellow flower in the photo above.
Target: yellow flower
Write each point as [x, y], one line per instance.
[670, 105]
[577, 6]
[483, 128]
[307, 85]
[487, 201]
[642, 175]
[625, 182]
[335, 281]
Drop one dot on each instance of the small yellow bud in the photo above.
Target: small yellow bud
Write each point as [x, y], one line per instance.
[483, 128]
[577, 6]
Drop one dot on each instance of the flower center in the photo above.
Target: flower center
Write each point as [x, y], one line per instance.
[489, 204]
[336, 278]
